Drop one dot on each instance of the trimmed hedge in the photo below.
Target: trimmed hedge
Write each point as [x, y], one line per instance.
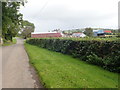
[102, 53]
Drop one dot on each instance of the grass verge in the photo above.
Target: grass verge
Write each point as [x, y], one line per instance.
[10, 43]
[57, 70]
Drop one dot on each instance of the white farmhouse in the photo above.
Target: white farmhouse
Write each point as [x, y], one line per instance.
[78, 35]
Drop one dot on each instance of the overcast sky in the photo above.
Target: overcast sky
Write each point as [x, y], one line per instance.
[48, 15]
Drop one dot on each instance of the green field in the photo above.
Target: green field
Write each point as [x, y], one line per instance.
[57, 70]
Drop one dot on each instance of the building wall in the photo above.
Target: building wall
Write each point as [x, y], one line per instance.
[46, 35]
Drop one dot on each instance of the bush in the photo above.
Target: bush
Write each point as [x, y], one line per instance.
[102, 53]
[94, 59]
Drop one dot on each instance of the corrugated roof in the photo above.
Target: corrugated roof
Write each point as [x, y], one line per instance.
[98, 31]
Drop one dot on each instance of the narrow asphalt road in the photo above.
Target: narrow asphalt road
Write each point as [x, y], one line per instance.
[15, 67]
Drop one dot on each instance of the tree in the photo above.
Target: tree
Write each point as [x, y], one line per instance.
[27, 29]
[89, 32]
[11, 19]
[63, 32]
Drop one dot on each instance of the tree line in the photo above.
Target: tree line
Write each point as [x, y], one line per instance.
[12, 21]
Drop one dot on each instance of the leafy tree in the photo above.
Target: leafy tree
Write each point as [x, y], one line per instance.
[11, 19]
[27, 29]
[63, 32]
[89, 32]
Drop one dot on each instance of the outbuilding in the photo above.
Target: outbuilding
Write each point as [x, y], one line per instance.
[78, 34]
[99, 32]
[45, 34]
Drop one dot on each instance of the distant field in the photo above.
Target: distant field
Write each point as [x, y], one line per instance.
[57, 70]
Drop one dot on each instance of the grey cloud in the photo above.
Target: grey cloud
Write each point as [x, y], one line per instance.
[58, 16]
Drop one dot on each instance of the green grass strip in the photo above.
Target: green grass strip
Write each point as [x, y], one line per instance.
[57, 70]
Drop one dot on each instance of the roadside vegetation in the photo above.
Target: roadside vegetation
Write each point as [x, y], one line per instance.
[13, 23]
[86, 38]
[57, 70]
[95, 38]
[101, 52]
[7, 43]
[28, 28]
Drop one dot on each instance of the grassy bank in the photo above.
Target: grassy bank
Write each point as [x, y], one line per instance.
[57, 70]
[10, 43]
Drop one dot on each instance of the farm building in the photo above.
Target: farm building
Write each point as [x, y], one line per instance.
[102, 32]
[46, 34]
[107, 31]
[78, 35]
[98, 33]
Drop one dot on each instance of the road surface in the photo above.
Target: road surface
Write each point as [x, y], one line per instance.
[15, 67]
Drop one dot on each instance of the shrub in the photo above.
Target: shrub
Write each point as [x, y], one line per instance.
[102, 53]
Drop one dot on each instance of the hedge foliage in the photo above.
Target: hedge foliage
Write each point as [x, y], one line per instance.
[102, 53]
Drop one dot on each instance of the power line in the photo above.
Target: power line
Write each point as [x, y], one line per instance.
[44, 6]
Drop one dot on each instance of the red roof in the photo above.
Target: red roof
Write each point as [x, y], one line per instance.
[107, 31]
